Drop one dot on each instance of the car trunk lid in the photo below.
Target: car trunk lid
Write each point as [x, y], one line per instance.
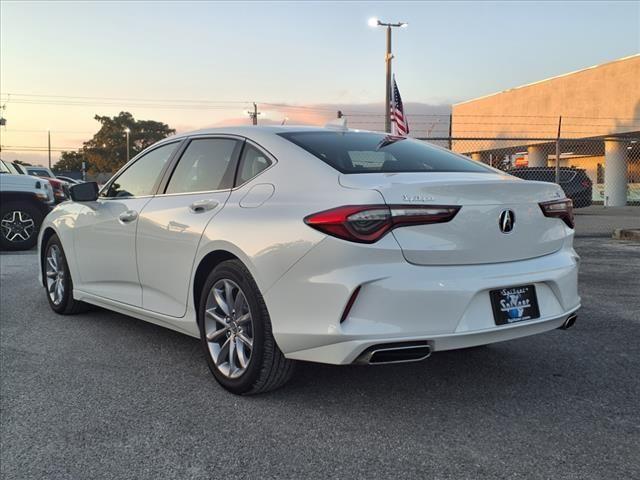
[474, 236]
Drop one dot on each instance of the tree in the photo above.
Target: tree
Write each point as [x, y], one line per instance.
[107, 150]
[69, 162]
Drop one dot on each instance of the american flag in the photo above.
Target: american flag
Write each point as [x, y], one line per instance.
[399, 123]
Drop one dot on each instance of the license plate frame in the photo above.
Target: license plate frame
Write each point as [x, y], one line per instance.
[514, 304]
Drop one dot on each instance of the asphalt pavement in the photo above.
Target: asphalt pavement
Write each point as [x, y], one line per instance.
[102, 395]
[599, 221]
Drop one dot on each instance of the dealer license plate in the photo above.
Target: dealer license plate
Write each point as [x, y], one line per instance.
[514, 304]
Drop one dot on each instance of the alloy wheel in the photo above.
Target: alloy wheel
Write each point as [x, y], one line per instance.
[228, 328]
[17, 226]
[55, 274]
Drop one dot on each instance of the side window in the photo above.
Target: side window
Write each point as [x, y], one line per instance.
[252, 163]
[140, 178]
[207, 164]
[40, 173]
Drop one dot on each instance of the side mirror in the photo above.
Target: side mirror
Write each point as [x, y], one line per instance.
[84, 192]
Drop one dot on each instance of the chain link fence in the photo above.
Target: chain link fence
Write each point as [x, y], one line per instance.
[599, 158]
[602, 171]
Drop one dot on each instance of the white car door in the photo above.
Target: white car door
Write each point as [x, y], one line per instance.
[105, 236]
[172, 223]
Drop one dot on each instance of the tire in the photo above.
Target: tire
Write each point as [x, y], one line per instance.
[266, 367]
[19, 225]
[64, 303]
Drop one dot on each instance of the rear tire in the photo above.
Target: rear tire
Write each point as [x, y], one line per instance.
[236, 334]
[19, 225]
[57, 280]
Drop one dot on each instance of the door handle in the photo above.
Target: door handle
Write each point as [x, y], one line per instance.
[128, 216]
[201, 206]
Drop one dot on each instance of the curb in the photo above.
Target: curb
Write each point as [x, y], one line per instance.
[626, 234]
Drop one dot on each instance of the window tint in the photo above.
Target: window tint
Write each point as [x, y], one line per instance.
[140, 178]
[207, 164]
[524, 174]
[252, 163]
[39, 173]
[362, 152]
[566, 176]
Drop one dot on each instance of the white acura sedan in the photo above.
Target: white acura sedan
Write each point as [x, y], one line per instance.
[276, 244]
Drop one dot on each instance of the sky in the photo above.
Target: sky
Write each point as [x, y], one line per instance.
[181, 62]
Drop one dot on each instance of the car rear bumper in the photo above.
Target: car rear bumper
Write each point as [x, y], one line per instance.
[448, 306]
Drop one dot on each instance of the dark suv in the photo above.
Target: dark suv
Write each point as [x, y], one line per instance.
[574, 181]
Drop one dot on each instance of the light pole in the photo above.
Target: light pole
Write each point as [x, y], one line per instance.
[374, 22]
[127, 131]
[49, 146]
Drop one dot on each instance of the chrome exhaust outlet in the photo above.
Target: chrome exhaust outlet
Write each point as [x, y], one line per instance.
[395, 353]
[569, 322]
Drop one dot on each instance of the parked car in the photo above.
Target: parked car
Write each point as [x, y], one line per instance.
[59, 186]
[276, 244]
[24, 202]
[575, 182]
[69, 180]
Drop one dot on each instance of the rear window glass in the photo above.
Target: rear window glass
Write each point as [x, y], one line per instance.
[545, 175]
[39, 173]
[363, 152]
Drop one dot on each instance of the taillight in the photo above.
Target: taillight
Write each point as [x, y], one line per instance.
[562, 209]
[369, 223]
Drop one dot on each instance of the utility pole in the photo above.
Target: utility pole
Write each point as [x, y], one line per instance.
[558, 150]
[49, 143]
[254, 114]
[374, 22]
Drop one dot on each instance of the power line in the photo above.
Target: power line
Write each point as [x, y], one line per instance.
[8, 94]
[46, 130]
[68, 100]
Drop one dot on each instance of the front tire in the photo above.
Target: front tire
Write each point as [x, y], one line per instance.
[236, 335]
[57, 280]
[19, 225]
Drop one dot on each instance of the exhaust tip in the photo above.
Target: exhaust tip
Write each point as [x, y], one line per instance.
[569, 322]
[395, 353]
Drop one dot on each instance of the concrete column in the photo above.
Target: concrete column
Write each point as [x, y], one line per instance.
[615, 172]
[536, 156]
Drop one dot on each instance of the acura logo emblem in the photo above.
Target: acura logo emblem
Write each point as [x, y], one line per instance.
[506, 221]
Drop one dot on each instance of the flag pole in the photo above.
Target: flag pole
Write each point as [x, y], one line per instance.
[387, 102]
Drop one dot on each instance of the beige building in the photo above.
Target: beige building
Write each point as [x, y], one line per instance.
[600, 126]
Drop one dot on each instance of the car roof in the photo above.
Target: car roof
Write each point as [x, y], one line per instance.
[533, 169]
[255, 130]
[248, 130]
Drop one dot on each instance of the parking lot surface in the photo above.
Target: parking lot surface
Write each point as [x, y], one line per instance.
[101, 395]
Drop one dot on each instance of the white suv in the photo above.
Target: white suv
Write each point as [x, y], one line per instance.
[24, 202]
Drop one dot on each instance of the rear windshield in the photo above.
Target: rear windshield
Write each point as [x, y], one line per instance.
[363, 152]
[545, 175]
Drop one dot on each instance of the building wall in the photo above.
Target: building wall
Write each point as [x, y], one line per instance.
[595, 101]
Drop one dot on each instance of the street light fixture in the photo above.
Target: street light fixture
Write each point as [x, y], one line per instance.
[127, 131]
[375, 22]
